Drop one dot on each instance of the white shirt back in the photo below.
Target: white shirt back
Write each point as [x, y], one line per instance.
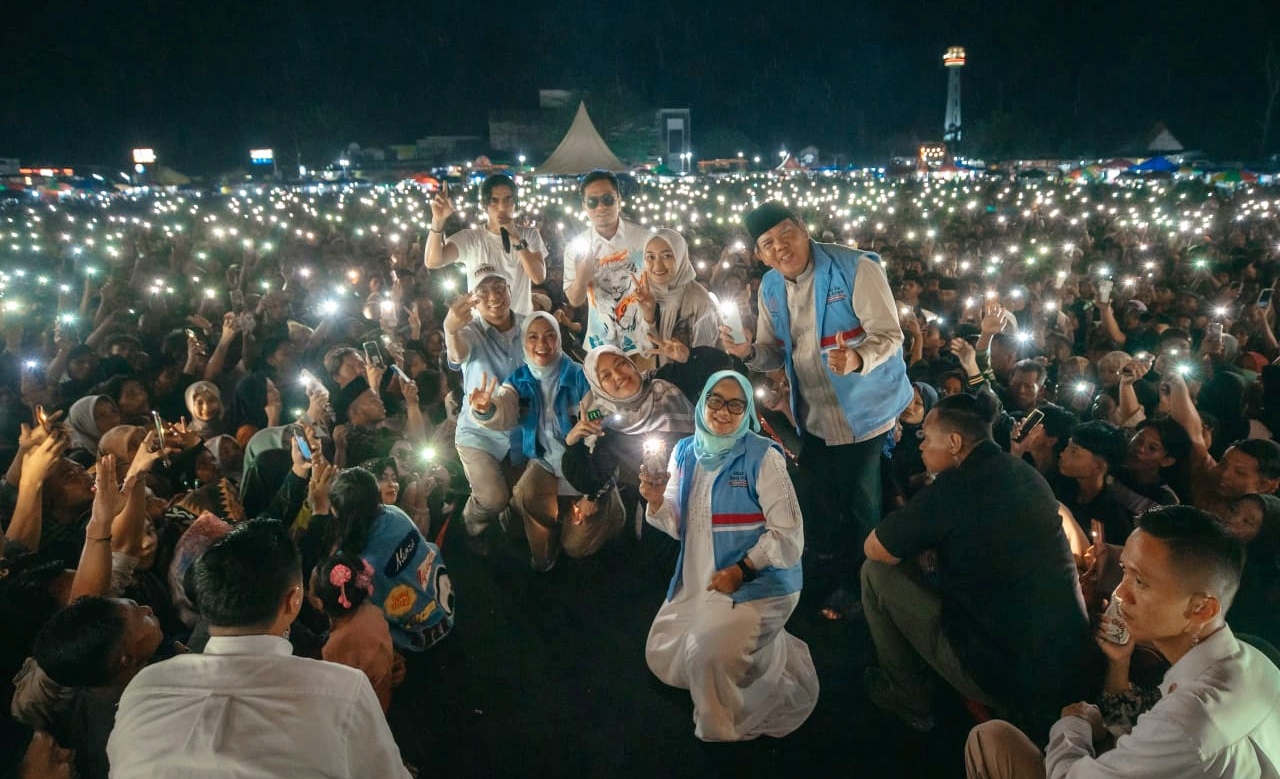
[246, 708]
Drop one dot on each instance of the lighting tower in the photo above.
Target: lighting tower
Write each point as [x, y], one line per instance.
[953, 60]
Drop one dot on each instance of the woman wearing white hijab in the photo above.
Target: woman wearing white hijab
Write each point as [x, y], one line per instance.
[541, 397]
[204, 404]
[675, 306]
[720, 634]
[638, 415]
[90, 417]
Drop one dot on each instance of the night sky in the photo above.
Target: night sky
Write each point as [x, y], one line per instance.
[203, 82]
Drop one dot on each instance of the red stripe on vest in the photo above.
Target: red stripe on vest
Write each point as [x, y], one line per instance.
[849, 335]
[736, 519]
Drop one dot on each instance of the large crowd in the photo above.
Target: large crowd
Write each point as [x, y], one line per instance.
[1022, 430]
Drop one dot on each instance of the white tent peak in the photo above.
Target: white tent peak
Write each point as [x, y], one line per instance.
[1160, 140]
[581, 150]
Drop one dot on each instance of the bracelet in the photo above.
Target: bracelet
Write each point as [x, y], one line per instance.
[747, 573]
[91, 538]
[431, 229]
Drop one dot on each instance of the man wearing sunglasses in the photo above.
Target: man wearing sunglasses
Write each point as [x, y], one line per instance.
[601, 264]
[828, 318]
[516, 250]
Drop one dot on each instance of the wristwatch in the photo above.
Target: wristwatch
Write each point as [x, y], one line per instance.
[747, 573]
[522, 246]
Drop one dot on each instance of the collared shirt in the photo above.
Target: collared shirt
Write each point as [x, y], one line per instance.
[491, 353]
[247, 708]
[1219, 716]
[478, 247]
[614, 317]
[872, 301]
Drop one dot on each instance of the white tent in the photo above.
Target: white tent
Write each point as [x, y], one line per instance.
[581, 150]
[1162, 141]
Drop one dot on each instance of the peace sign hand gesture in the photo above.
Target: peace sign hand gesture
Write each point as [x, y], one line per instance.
[843, 359]
[644, 295]
[671, 348]
[482, 397]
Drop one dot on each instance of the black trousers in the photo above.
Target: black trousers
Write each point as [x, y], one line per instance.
[840, 495]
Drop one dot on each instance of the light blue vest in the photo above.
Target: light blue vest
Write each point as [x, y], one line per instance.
[569, 391]
[869, 402]
[736, 519]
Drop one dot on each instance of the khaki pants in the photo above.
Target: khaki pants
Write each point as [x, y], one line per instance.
[904, 613]
[490, 480]
[549, 520]
[998, 750]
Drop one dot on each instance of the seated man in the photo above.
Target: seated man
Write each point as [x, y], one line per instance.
[1219, 714]
[247, 707]
[1002, 622]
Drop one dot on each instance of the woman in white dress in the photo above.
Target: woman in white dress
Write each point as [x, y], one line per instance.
[720, 632]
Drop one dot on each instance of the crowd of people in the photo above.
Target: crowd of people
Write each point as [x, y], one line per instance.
[1021, 431]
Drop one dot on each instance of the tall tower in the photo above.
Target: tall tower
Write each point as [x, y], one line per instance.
[953, 60]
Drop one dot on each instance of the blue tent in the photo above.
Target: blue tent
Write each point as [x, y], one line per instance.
[1155, 165]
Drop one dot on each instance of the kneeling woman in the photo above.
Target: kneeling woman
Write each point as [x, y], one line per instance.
[720, 632]
[541, 397]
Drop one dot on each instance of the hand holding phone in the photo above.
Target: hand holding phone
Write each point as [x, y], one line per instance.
[1264, 298]
[1029, 423]
[1104, 290]
[373, 355]
[303, 447]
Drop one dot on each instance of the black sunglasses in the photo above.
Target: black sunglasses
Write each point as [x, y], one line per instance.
[608, 200]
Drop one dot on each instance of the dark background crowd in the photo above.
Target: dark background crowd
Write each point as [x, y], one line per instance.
[223, 354]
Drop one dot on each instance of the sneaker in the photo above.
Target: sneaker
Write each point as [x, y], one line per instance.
[880, 691]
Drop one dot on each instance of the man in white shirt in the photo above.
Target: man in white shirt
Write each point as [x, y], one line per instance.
[248, 708]
[601, 265]
[1219, 711]
[516, 250]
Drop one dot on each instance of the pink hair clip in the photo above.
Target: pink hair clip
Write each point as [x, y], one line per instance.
[338, 577]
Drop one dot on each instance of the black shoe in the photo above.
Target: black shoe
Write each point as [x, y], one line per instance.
[844, 603]
[880, 691]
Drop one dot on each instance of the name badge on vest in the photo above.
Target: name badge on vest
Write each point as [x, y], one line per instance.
[836, 295]
[738, 480]
[402, 555]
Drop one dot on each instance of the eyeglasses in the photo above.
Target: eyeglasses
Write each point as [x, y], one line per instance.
[735, 406]
[608, 200]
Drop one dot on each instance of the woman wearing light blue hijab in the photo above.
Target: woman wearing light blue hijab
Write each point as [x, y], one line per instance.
[720, 634]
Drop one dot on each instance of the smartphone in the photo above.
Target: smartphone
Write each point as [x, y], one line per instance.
[1213, 334]
[1104, 290]
[42, 418]
[303, 447]
[159, 426]
[1030, 423]
[1264, 297]
[595, 415]
[403, 376]
[1085, 388]
[373, 356]
[733, 321]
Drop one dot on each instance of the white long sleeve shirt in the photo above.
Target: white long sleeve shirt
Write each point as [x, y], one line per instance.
[1219, 717]
[248, 709]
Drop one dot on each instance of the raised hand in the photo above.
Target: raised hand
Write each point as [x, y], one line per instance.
[671, 348]
[740, 349]
[482, 397]
[322, 473]
[644, 295]
[462, 309]
[441, 209]
[39, 460]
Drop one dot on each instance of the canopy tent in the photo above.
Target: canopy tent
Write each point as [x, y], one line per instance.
[581, 150]
[1161, 140]
[1155, 165]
